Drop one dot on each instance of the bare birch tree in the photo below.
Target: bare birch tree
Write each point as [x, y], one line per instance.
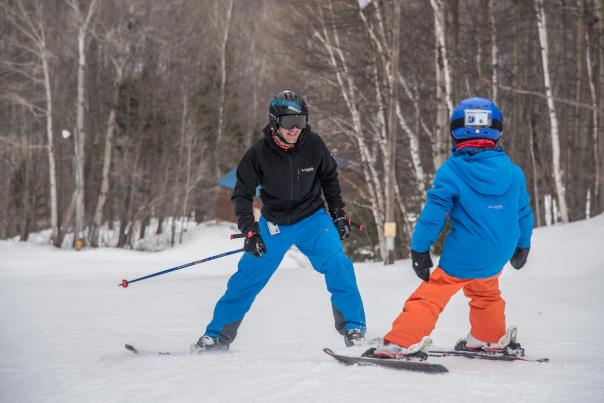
[118, 47]
[494, 52]
[83, 20]
[599, 142]
[553, 117]
[30, 24]
[378, 38]
[443, 85]
[222, 54]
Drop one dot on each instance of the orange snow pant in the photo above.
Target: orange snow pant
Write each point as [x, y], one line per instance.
[421, 310]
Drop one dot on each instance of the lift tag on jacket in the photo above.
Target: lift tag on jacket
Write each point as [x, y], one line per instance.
[273, 229]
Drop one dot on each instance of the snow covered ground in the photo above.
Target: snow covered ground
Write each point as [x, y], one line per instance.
[64, 322]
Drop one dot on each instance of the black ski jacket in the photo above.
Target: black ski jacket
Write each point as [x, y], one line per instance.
[291, 181]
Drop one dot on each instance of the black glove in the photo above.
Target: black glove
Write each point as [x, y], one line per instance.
[421, 264]
[518, 260]
[341, 222]
[254, 244]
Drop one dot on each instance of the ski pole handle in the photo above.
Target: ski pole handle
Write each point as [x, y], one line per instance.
[125, 283]
[357, 226]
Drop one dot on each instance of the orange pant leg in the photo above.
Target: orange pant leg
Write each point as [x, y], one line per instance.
[487, 317]
[423, 307]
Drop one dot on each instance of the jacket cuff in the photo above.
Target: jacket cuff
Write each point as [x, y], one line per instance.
[254, 227]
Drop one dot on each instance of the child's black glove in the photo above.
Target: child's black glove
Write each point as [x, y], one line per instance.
[518, 260]
[254, 244]
[342, 223]
[421, 264]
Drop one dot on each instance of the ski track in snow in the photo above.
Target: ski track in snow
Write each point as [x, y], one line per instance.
[65, 322]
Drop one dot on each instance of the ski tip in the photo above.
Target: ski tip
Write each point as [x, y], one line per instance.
[329, 351]
[131, 348]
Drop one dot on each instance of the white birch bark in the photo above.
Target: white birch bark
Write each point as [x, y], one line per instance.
[187, 133]
[54, 217]
[80, 134]
[600, 151]
[443, 84]
[494, 53]
[414, 143]
[535, 174]
[554, 132]
[110, 131]
[348, 92]
[34, 31]
[595, 119]
[223, 74]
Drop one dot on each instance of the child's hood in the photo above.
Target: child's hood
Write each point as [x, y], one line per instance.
[489, 172]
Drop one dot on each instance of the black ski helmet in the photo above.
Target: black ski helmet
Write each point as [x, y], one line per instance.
[286, 103]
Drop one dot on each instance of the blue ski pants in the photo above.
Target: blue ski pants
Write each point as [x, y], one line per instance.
[316, 237]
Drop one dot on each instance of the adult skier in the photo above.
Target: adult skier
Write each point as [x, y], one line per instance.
[484, 195]
[293, 167]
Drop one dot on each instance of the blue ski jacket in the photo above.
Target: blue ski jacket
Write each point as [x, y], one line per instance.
[484, 194]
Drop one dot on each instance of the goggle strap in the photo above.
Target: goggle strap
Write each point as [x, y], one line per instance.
[459, 123]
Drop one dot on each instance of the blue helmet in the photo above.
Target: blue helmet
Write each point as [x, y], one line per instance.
[476, 118]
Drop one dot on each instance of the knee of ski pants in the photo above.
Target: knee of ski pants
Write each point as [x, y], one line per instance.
[326, 252]
[257, 267]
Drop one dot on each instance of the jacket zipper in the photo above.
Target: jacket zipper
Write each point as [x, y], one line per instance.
[291, 183]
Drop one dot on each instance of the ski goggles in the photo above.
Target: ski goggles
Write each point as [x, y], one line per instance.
[288, 122]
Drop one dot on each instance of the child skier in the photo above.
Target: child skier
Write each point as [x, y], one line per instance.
[484, 195]
[294, 168]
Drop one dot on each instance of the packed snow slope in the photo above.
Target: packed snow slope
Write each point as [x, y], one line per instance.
[64, 322]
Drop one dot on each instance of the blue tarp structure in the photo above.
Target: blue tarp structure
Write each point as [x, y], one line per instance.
[228, 181]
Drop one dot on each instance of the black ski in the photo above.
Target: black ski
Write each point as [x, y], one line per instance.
[483, 355]
[132, 349]
[415, 366]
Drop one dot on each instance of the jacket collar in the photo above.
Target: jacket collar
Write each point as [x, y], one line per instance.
[268, 138]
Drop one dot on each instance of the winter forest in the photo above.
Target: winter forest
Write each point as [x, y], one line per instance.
[120, 116]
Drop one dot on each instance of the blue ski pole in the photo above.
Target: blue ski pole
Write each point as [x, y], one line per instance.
[125, 282]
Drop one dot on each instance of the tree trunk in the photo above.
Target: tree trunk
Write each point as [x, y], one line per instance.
[578, 141]
[54, 216]
[494, 53]
[80, 134]
[80, 137]
[595, 126]
[515, 117]
[554, 131]
[443, 86]
[390, 163]
[348, 90]
[111, 126]
[599, 140]
[534, 173]
[413, 135]
[223, 77]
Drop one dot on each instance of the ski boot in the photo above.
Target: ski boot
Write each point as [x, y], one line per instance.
[207, 343]
[507, 345]
[417, 351]
[354, 337]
